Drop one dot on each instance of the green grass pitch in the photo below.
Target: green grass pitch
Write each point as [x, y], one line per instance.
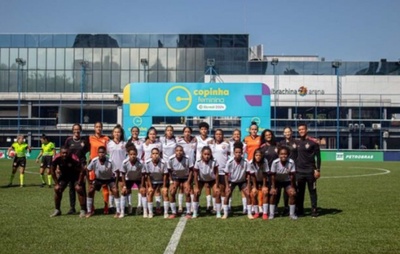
[359, 213]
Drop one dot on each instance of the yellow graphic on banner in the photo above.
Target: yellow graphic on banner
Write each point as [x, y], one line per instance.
[185, 97]
[138, 109]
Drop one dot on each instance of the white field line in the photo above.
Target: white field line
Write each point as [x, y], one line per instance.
[176, 236]
[383, 172]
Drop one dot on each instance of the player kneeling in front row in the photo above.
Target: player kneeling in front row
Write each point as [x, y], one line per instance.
[237, 174]
[132, 172]
[104, 170]
[157, 177]
[282, 176]
[180, 168]
[69, 170]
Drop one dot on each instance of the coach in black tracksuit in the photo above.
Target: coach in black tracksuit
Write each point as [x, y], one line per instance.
[308, 164]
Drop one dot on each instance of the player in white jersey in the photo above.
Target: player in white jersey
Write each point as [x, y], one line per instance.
[151, 142]
[180, 168]
[138, 144]
[259, 170]
[236, 174]
[283, 172]
[189, 144]
[132, 172]
[157, 180]
[206, 174]
[237, 137]
[104, 170]
[204, 140]
[168, 142]
[220, 150]
[116, 151]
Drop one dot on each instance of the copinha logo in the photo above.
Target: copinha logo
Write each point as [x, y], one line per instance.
[302, 91]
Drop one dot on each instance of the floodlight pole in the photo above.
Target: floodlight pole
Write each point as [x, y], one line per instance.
[84, 65]
[20, 62]
[275, 62]
[336, 66]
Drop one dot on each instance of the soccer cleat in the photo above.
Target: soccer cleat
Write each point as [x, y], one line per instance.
[158, 211]
[56, 213]
[256, 215]
[145, 215]
[150, 215]
[293, 217]
[314, 213]
[180, 210]
[71, 211]
[225, 216]
[218, 216]
[106, 211]
[122, 215]
[89, 214]
[188, 216]
[265, 216]
[194, 216]
[82, 214]
[250, 216]
[172, 216]
[130, 209]
[271, 217]
[116, 215]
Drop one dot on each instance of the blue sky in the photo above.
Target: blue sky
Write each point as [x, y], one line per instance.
[348, 30]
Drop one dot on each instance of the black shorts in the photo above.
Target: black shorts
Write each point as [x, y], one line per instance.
[65, 180]
[46, 161]
[179, 180]
[241, 185]
[98, 183]
[19, 162]
[221, 180]
[130, 183]
[210, 183]
[283, 185]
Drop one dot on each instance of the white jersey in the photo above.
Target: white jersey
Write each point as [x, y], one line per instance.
[206, 170]
[220, 153]
[237, 171]
[147, 149]
[254, 169]
[179, 169]
[231, 147]
[188, 147]
[116, 152]
[133, 172]
[282, 171]
[202, 143]
[168, 147]
[157, 171]
[103, 171]
[139, 147]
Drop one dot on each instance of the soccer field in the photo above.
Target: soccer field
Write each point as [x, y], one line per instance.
[359, 213]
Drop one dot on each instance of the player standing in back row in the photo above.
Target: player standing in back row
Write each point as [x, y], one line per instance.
[308, 165]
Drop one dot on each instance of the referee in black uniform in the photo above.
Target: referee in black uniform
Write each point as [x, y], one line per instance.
[308, 164]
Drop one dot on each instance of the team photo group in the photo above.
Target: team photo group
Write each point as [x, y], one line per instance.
[171, 172]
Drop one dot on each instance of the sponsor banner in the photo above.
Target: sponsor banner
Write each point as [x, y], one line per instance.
[249, 101]
[351, 156]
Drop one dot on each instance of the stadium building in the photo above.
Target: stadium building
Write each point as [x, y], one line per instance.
[50, 81]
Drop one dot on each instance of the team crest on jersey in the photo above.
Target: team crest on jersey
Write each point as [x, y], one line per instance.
[69, 165]
[307, 145]
[82, 144]
[276, 149]
[294, 146]
[224, 147]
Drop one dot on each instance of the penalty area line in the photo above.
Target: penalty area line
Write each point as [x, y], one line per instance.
[176, 236]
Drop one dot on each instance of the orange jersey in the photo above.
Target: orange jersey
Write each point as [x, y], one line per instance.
[95, 143]
[251, 145]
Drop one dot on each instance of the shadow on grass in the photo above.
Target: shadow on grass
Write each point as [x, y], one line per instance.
[322, 211]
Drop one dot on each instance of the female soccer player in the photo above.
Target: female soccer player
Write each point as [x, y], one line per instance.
[116, 151]
[220, 150]
[282, 176]
[270, 149]
[79, 146]
[133, 171]
[46, 153]
[157, 177]
[97, 140]
[259, 175]
[104, 170]
[204, 140]
[292, 144]
[189, 144]
[138, 144]
[206, 174]
[236, 174]
[252, 141]
[150, 143]
[168, 143]
[180, 168]
[20, 148]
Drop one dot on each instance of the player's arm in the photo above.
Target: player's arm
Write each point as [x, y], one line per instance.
[53, 172]
[10, 149]
[273, 183]
[317, 173]
[39, 156]
[196, 178]
[216, 173]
